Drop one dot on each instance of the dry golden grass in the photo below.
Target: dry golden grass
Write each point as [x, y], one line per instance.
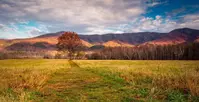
[100, 80]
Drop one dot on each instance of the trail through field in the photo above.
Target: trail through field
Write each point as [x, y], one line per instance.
[86, 84]
[68, 84]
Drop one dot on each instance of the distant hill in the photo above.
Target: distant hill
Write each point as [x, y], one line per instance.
[116, 43]
[48, 41]
[131, 38]
[177, 36]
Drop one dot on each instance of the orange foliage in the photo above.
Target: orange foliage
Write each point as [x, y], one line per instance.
[69, 41]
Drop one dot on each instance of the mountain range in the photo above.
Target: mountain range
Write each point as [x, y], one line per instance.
[48, 41]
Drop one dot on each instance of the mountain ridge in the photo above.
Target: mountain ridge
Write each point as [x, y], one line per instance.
[175, 36]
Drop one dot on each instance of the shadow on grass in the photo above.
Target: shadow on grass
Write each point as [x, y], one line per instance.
[73, 64]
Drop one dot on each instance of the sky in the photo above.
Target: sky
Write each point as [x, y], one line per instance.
[30, 18]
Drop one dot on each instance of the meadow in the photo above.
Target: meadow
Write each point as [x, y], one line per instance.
[60, 80]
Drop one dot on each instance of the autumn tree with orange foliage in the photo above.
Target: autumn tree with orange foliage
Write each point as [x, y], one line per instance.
[69, 43]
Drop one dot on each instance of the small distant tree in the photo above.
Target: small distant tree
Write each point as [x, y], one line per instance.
[69, 43]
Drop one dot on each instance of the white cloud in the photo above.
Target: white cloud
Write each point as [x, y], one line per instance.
[91, 12]
[155, 3]
[191, 21]
[88, 14]
[192, 17]
[140, 24]
[71, 14]
[13, 31]
[158, 24]
[6, 28]
[108, 2]
[34, 31]
[102, 30]
[1, 26]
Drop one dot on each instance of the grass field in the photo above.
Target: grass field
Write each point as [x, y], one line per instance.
[39, 80]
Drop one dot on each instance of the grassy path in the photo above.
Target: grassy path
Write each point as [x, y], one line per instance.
[68, 84]
[83, 84]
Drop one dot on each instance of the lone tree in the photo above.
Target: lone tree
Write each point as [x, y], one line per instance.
[69, 43]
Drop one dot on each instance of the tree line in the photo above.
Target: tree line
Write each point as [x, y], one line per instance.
[188, 51]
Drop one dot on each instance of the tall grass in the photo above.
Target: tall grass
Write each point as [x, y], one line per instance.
[20, 77]
[87, 80]
[159, 77]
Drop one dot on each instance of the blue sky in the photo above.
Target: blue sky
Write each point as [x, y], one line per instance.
[29, 18]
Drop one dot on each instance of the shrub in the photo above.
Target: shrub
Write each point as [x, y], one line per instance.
[48, 56]
[3, 56]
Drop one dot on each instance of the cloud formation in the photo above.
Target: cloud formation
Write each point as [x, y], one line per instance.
[65, 14]
[28, 18]
[159, 24]
[90, 12]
